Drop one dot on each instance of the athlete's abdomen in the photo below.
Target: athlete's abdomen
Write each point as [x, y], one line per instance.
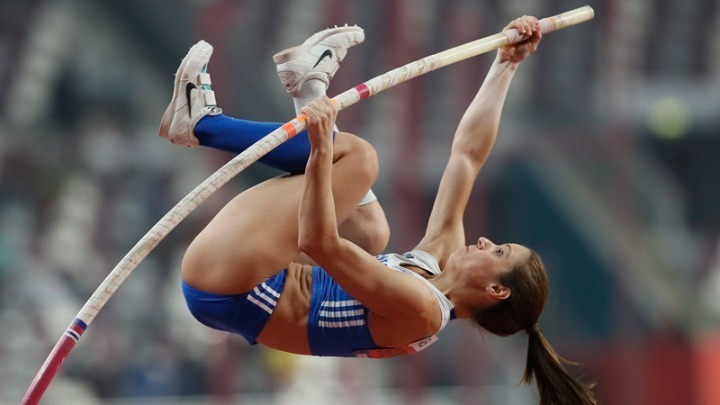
[286, 329]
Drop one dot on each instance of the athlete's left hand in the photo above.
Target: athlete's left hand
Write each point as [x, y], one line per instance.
[529, 28]
[321, 115]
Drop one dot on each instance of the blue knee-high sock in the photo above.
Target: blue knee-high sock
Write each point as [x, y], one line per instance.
[235, 135]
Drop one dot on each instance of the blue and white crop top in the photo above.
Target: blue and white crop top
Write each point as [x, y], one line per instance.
[428, 263]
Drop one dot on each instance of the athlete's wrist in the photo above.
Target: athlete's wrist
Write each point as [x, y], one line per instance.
[505, 61]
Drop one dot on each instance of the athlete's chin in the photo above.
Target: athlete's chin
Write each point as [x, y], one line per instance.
[458, 252]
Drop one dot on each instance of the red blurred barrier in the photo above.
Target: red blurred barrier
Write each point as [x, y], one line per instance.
[660, 370]
[707, 359]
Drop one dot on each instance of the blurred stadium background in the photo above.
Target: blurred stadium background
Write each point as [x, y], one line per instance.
[606, 164]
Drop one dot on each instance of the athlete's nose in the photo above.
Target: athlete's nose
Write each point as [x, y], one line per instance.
[484, 243]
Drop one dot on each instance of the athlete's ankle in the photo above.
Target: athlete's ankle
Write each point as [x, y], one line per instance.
[311, 90]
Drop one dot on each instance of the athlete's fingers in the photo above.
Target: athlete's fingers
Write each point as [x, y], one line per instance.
[310, 110]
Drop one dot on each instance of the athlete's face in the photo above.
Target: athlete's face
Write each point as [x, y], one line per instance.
[485, 261]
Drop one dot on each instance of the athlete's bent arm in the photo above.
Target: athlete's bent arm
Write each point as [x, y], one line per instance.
[387, 293]
[472, 143]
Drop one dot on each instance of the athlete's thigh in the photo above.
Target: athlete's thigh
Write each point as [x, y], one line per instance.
[255, 235]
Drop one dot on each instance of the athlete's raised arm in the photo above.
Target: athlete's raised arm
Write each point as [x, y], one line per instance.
[473, 141]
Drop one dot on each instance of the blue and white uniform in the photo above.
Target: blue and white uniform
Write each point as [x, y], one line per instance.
[337, 323]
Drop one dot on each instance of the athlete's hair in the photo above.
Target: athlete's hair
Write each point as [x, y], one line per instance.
[528, 285]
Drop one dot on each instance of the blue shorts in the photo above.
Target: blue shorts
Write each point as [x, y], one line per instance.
[244, 314]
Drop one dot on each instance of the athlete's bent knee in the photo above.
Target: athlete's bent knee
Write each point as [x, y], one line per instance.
[365, 161]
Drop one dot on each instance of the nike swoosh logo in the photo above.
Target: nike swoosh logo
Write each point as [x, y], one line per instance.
[327, 53]
[188, 88]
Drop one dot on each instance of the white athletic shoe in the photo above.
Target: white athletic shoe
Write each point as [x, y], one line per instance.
[192, 97]
[318, 57]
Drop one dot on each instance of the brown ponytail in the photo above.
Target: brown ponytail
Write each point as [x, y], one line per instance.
[555, 385]
[520, 311]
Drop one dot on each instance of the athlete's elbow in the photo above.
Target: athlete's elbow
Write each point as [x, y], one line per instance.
[317, 244]
[427, 315]
[307, 241]
[473, 153]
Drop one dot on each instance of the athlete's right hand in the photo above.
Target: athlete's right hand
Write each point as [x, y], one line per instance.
[529, 28]
[321, 115]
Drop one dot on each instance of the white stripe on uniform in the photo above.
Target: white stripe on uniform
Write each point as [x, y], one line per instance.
[260, 304]
[270, 290]
[341, 314]
[341, 324]
[336, 304]
[264, 296]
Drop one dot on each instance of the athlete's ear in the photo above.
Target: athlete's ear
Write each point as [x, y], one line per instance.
[498, 291]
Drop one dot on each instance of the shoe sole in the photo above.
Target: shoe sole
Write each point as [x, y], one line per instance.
[201, 50]
[292, 53]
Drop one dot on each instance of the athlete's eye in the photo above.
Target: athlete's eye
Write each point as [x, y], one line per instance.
[499, 251]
